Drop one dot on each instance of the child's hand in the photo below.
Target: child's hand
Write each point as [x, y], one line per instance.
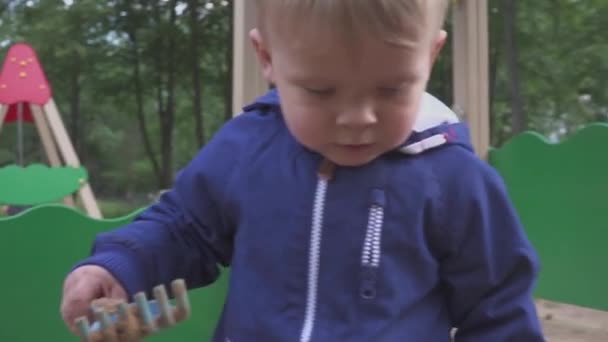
[81, 287]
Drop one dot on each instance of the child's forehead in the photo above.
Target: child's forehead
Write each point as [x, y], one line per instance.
[321, 40]
[317, 44]
[313, 57]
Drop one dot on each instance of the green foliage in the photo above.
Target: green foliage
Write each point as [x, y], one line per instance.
[561, 60]
[117, 208]
[88, 56]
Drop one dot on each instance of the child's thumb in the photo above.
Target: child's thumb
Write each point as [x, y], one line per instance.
[118, 292]
[81, 287]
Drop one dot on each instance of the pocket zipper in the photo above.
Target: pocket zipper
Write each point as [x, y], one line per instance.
[372, 246]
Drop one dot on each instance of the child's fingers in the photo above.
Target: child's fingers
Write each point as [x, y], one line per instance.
[81, 287]
[73, 310]
[118, 292]
[75, 303]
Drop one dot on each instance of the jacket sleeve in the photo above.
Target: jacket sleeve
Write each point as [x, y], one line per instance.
[186, 234]
[489, 268]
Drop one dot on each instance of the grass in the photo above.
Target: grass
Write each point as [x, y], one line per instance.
[111, 208]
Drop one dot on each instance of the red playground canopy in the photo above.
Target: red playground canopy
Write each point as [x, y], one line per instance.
[22, 80]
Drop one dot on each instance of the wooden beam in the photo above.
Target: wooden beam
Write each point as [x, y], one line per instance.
[69, 155]
[48, 143]
[247, 82]
[3, 111]
[470, 69]
[45, 136]
[60, 134]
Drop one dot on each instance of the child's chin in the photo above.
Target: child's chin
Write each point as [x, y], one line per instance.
[350, 160]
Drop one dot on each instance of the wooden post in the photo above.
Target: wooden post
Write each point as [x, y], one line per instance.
[470, 69]
[247, 82]
[45, 136]
[48, 143]
[3, 111]
[69, 156]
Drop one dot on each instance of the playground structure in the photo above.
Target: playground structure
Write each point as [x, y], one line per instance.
[37, 249]
[26, 97]
[557, 189]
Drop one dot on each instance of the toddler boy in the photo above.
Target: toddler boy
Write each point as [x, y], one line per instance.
[346, 210]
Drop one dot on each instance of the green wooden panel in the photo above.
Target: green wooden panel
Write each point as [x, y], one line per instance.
[38, 184]
[37, 249]
[560, 191]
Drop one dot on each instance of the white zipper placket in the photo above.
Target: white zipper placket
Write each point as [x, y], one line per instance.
[372, 245]
[316, 235]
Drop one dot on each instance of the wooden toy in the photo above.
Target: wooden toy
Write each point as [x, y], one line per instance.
[117, 321]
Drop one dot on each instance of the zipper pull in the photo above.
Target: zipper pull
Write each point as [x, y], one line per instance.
[326, 169]
[367, 290]
[378, 197]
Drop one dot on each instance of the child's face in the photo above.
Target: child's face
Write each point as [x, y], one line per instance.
[348, 102]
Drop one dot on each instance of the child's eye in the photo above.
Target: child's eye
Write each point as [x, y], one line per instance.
[321, 91]
[390, 90]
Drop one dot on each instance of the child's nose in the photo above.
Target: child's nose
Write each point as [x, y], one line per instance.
[357, 116]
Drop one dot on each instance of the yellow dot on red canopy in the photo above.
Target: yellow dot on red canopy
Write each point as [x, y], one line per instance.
[13, 59]
[30, 59]
[23, 74]
[23, 63]
[2, 86]
[42, 86]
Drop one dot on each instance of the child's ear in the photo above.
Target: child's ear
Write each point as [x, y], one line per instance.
[438, 44]
[261, 51]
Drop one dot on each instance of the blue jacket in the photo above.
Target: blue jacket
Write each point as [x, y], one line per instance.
[421, 240]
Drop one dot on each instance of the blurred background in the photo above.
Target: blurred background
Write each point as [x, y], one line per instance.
[143, 84]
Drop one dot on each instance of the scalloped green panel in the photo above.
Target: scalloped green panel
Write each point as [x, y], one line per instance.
[38, 184]
[37, 249]
[560, 191]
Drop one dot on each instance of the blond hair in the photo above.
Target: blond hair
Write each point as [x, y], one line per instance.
[400, 22]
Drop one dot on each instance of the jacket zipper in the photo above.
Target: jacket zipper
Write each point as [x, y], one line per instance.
[372, 245]
[325, 173]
